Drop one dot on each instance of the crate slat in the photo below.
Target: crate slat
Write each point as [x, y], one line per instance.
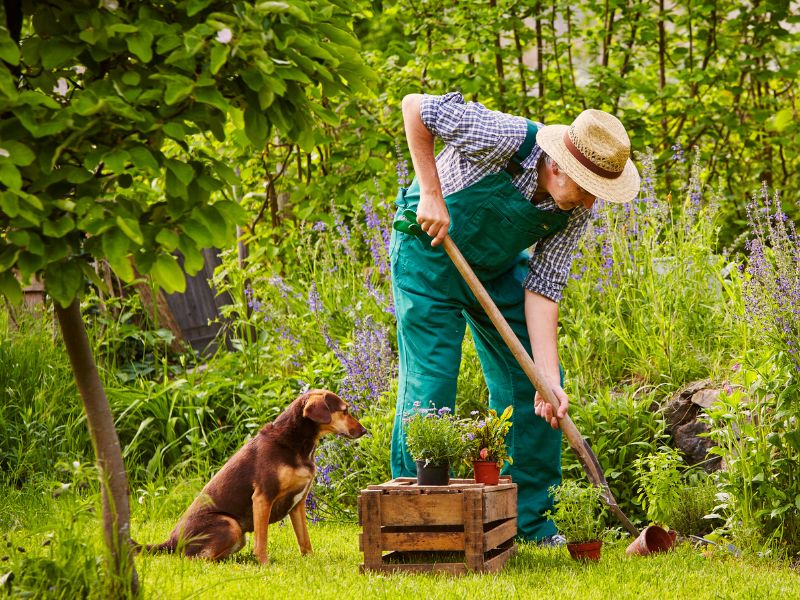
[502, 533]
[440, 541]
[503, 504]
[421, 509]
[496, 563]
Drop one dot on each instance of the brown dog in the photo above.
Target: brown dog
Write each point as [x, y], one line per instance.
[268, 478]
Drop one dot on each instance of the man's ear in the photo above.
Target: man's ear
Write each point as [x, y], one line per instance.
[316, 409]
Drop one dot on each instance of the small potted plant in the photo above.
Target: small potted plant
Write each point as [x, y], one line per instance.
[486, 436]
[578, 515]
[435, 440]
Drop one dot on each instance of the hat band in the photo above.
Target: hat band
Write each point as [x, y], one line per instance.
[597, 170]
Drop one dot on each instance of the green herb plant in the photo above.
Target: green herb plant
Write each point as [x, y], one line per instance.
[578, 513]
[434, 436]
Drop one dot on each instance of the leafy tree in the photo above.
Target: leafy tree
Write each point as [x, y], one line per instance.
[111, 115]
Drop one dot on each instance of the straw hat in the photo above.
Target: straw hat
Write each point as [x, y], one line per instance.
[595, 152]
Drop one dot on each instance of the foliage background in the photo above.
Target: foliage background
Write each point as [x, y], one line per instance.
[707, 89]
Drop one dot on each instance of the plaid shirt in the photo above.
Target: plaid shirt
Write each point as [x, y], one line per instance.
[479, 142]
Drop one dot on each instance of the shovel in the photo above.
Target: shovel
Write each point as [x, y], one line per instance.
[594, 472]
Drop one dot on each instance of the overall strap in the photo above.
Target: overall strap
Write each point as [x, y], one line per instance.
[514, 166]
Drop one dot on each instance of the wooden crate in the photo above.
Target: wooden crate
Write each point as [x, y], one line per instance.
[457, 528]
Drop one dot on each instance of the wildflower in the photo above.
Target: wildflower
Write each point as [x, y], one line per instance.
[224, 36]
[677, 153]
[62, 88]
[314, 301]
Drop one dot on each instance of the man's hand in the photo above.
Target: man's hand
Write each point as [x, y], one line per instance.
[432, 215]
[546, 411]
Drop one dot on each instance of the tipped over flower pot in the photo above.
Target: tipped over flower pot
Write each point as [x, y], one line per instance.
[585, 550]
[652, 539]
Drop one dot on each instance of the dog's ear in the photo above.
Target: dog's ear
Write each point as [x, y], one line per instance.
[316, 409]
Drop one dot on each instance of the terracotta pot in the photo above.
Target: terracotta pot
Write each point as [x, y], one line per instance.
[585, 550]
[486, 472]
[651, 540]
[433, 474]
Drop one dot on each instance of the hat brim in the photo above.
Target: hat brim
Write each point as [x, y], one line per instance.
[624, 188]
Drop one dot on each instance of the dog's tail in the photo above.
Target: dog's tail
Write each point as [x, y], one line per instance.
[167, 547]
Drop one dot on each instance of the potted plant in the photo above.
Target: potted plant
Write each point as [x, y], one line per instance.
[486, 437]
[435, 440]
[578, 515]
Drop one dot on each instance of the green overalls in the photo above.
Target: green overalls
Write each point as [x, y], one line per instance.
[493, 225]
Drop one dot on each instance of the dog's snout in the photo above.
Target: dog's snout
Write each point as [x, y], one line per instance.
[356, 429]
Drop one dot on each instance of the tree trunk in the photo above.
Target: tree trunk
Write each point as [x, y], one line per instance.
[113, 480]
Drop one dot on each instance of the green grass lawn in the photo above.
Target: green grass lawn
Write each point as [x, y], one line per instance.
[29, 519]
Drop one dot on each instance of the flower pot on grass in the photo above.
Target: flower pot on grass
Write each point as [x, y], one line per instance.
[585, 550]
[578, 515]
[435, 440]
[487, 448]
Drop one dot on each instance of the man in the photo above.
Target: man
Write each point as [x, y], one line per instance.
[501, 185]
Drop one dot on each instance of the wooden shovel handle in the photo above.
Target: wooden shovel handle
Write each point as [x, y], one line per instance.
[587, 458]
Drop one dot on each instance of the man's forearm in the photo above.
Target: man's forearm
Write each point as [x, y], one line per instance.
[421, 145]
[541, 315]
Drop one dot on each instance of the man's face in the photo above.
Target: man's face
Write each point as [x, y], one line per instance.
[566, 193]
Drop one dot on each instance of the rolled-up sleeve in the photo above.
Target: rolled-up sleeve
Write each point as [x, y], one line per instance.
[472, 129]
[551, 258]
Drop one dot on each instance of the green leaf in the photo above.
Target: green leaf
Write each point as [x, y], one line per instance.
[10, 176]
[143, 159]
[168, 239]
[122, 267]
[18, 153]
[58, 228]
[195, 6]
[9, 50]
[141, 45]
[63, 281]
[177, 90]
[182, 171]
[215, 224]
[10, 287]
[231, 212]
[115, 245]
[130, 228]
[293, 9]
[9, 203]
[255, 126]
[219, 55]
[198, 232]
[174, 186]
[131, 78]
[115, 160]
[193, 259]
[168, 274]
[122, 28]
[56, 52]
[174, 130]
[8, 257]
[210, 95]
[783, 118]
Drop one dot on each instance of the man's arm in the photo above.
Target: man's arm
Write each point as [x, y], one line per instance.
[541, 316]
[432, 214]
